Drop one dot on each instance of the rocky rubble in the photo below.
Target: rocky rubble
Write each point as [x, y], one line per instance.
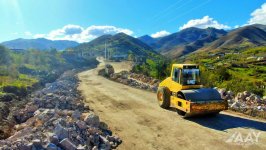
[56, 119]
[245, 102]
[107, 71]
[132, 79]
[126, 78]
[145, 79]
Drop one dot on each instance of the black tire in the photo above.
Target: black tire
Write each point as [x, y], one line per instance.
[163, 97]
[180, 112]
[214, 114]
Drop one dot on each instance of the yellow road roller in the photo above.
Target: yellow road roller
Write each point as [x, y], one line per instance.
[184, 91]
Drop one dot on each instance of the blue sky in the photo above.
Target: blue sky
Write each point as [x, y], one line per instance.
[84, 20]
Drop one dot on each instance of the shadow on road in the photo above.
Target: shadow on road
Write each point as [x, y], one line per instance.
[222, 122]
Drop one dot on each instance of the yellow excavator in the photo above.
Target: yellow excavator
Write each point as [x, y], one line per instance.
[183, 91]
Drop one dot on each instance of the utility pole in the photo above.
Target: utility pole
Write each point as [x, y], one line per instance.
[109, 54]
[105, 50]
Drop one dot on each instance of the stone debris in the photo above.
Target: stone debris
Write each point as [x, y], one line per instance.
[107, 71]
[7, 97]
[56, 119]
[245, 102]
[132, 79]
[92, 120]
[67, 144]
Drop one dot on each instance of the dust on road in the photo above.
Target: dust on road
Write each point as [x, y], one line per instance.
[135, 116]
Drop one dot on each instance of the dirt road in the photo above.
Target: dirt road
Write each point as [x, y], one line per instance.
[135, 116]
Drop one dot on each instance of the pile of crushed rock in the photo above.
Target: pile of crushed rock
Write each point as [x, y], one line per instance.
[56, 119]
[145, 79]
[245, 102]
[132, 79]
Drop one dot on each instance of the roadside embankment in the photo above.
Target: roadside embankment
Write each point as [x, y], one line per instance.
[55, 118]
[131, 79]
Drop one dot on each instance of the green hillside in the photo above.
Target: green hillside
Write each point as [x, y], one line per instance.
[244, 37]
[184, 41]
[119, 44]
[40, 43]
[239, 70]
[22, 71]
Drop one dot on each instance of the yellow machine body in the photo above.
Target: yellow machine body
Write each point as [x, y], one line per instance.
[191, 99]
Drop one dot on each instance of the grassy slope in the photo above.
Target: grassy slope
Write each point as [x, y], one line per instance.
[10, 75]
[237, 65]
[119, 44]
[22, 80]
[25, 69]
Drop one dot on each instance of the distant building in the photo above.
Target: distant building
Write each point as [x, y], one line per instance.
[140, 59]
[218, 55]
[261, 58]
[119, 57]
[232, 53]
[252, 57]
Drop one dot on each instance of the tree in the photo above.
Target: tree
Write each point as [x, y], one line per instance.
[223, 73]
[12, 71]
[131, 56]
[5, 58]
[53, 51]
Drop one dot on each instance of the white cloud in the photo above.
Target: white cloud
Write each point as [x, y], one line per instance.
[72, 29]
[28, 33]
[236, 26]
[259, 15]
[160, 34]
[80, 34]
[100, 30]
[203, 23]
[39, 36]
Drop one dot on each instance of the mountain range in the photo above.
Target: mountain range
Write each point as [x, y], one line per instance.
[192, 39]
[40, 44]
[172, 46]
[248, 36]
[118, 44]
[149, 40]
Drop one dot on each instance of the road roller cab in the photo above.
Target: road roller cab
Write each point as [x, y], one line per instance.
[183, 91]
